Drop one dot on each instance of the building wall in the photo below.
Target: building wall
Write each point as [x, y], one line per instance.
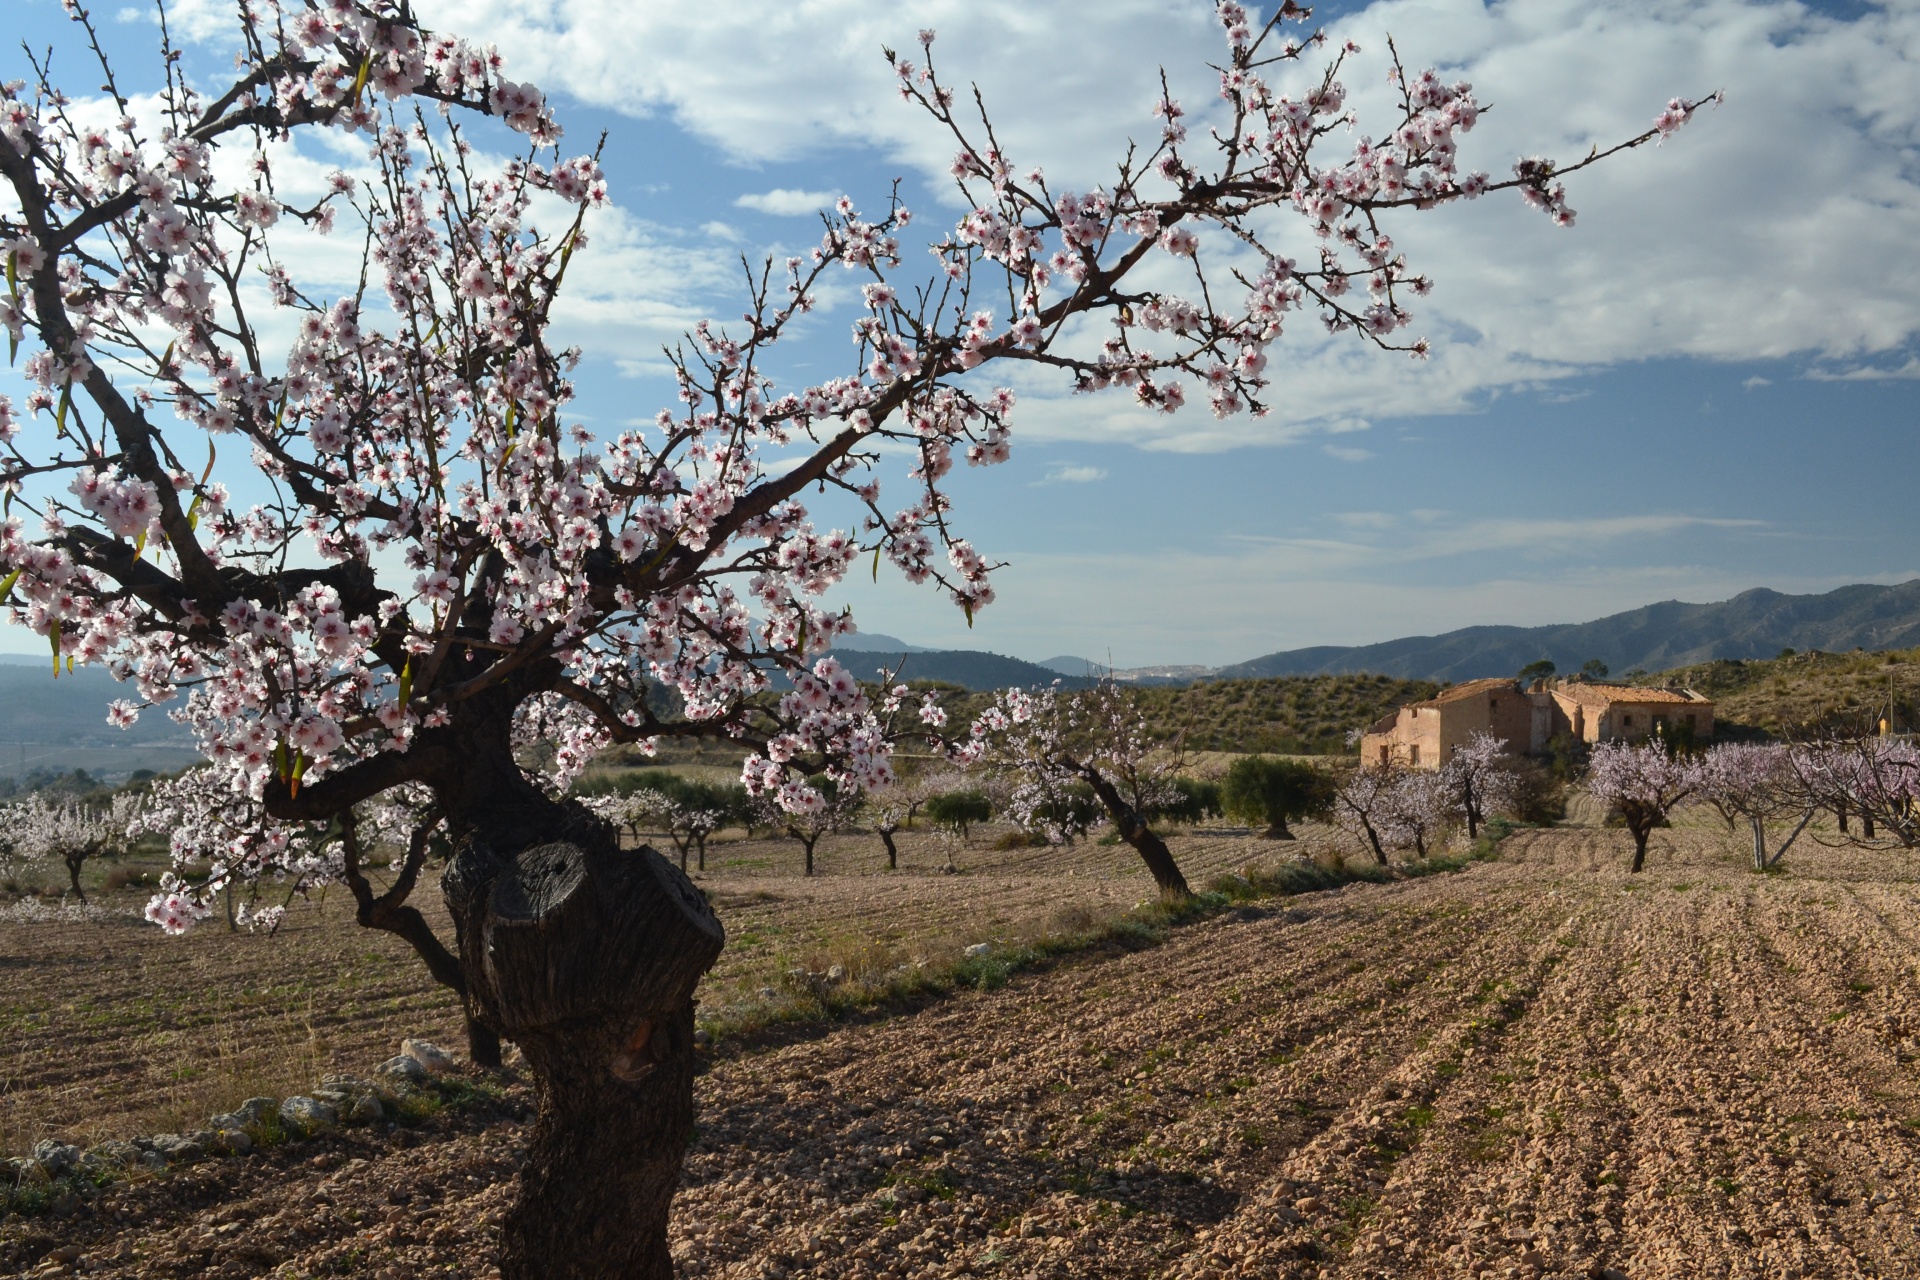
[1427, 736]
[1414, 740]
[1631, 721]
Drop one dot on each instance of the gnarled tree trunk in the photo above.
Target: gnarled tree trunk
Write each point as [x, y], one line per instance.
[586, 956]
[1152, 849]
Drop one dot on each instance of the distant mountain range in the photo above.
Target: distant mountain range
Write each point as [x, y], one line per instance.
[1754, 624]
[864, 655]
[63, 722]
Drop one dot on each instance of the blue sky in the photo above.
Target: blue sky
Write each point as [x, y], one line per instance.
[1709, 384]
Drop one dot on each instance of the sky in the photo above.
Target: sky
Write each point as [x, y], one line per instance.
[1708, 384]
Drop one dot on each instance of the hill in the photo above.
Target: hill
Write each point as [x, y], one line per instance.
[1754, 624]
[62, 724]
[1801, 693]
[1292, 714]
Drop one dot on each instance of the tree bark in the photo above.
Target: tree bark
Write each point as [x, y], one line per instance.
[586, 956]
[1278, 831]
[73, 874]
[1152, 849]
[1640, 835]
[893, 853]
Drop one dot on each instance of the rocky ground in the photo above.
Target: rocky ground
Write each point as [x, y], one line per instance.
[1536, 1066]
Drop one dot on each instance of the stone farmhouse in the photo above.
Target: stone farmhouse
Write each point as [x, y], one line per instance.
[1425, 735]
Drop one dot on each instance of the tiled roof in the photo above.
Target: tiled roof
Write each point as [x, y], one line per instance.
[1604, 695]
[1471, 689]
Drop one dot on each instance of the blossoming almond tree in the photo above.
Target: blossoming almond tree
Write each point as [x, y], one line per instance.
[1476, 780]
[1051, 742]
[1756, 781]
[414, 563]
[70, 832]
[1643, 784]
[1365, 806]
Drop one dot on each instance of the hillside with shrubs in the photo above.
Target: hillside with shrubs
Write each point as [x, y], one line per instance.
[1798, 693]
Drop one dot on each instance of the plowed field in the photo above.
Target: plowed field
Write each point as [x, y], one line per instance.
[1537, 1065]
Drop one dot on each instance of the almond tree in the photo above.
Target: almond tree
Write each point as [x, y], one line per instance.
[1643, 784]
[1364, 806]
[681, 818]
[385, 553]
[1876, 779]
[887, 820]
[1048, 742]
[1476, 780]
[70, 832]
[826, 808]
[1756, 782]
[1417, 811]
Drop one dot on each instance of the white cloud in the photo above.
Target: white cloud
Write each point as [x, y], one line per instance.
[1777, 224]
[1757, 381]
[1063, 474]
[1379, 539]
[786, 201]
[1869, 373]
[1345, 454]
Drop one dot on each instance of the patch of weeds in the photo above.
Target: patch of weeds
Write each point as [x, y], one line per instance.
[1726, 1186]
[1354, 1212]
[931, 1183]
[1418, 1118]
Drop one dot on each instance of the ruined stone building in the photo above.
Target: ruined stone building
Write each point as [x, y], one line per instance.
[1425, 734]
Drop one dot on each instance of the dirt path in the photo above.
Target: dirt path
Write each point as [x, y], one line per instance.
[1539, 1065]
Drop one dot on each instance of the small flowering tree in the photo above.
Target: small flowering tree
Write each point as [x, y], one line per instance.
[1417, 811]
[828, 808]
[887, 821]
[1049, 743]
[1643, 784]
[1364, 806]
[1875, 779]
[70, 832]
[1755, 782]
[1477, 781]
[678, 814]
[404, 559]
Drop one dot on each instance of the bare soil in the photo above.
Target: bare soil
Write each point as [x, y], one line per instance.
[1539, 1065]
[109, 1028]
